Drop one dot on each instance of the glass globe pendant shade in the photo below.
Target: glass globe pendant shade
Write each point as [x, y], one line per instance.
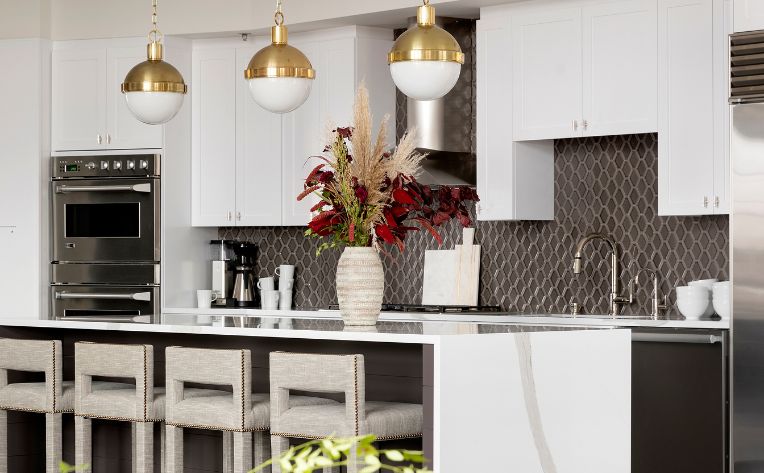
[154, 89]
[280, 76]
[425, 61]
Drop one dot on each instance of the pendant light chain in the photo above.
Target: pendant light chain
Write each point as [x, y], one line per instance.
[154, 35]
[279, 15]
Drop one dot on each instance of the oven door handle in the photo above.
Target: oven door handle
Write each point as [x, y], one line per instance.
[136, 296]
[64, 189]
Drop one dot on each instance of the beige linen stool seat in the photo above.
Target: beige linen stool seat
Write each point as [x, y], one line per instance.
[240, 414]
[356, 417]
[51, 397]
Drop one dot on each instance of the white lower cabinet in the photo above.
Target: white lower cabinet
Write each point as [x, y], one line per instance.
[249, 165]
[88, 110]
[515, 180]
[693, 118]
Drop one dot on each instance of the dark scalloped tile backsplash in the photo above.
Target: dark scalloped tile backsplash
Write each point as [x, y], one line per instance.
[604, 184]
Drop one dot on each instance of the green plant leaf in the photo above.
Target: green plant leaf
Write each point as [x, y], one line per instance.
[394, 455]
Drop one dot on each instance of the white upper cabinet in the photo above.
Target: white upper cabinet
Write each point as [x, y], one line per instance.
[693, 113]
[258, 153]
[749, 15]
[584, 71]
[213, 129]
[88, 108]
[619, 67]
[249, 165]
[123, 130]
[546, 47]
[79, 98]
[515, 181]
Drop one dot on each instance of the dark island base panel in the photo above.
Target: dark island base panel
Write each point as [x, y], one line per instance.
[394, 372]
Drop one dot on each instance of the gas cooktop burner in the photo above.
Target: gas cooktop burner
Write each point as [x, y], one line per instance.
[434, 309]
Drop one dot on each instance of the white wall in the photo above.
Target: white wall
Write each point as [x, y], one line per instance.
[24, 19]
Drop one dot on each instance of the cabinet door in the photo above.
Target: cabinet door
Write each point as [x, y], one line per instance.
[78, 107]
[722, 28]
[619, 66]
[258, 156]
[749, 15]
[124, 131]
[214, 136]
[547, 74]
[686, 107]
[330, 104]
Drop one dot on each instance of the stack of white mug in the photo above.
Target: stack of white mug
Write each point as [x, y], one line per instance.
[272, 299]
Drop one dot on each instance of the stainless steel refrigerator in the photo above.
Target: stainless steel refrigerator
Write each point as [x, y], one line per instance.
[747, 258]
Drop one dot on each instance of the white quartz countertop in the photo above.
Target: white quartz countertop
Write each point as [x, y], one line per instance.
[315, 328]
[510, 319]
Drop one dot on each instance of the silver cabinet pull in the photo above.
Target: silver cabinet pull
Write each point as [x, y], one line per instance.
[575, 125]
[586, 124]
[108, 138]
[64, 189]
[716, 201]
[705, 202]
[228, 216]
[676, 338]
[99, 139]
[238, 215]
[136, 296]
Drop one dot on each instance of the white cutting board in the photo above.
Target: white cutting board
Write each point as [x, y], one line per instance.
[452, 277]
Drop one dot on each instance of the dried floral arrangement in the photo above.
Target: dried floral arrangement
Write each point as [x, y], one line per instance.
[369, 195]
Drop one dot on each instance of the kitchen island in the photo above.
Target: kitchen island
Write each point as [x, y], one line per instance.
[496, 397]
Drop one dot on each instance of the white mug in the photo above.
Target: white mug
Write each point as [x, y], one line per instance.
[205, 298]
[269, 299]
[266, 284]
[285, 271]
[286, 284]
[285, 300]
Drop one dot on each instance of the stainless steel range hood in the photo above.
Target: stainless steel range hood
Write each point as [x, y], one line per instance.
[445, 126]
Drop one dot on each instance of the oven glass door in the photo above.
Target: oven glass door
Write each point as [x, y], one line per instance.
[105, 303]
[106, 220]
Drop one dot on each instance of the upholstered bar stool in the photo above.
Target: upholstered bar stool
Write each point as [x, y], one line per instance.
[139, 404]
[240, 414]
[51, 397]
[332, 374]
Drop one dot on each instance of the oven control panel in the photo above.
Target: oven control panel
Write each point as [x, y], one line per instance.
[139, 165]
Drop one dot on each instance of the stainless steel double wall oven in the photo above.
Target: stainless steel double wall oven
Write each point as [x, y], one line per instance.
[106, 238]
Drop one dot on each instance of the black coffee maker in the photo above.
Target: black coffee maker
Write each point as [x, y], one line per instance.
[244, 293]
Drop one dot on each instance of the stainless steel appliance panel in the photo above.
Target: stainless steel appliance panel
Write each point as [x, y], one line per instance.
[106, 220]
[106, 273]
[747, 268]
[106, 303]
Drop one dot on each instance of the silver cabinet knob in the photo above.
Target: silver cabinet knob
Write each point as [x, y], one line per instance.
[108, 138]
[99, 139]
[143, 164]
[104, 165]
[705, 202]
[585, 123]
[575, 125]
[130, 164]
[90, 165]
[117, 165]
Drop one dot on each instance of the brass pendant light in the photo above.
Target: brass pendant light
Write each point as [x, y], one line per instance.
[154, 89]
[425, 60]
[280, 76]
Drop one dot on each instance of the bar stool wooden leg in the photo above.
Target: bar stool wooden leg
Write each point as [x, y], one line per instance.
[242, 452]
[174, 447]
[53, 442]
[279, 445]
[83, 431]
[3, 441]
[261, 449]
[227, 451]
[144, 436]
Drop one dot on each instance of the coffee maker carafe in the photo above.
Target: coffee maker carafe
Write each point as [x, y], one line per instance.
[222, 271]
[244, 292]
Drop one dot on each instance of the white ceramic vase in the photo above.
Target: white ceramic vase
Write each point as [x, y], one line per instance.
[360, 286]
